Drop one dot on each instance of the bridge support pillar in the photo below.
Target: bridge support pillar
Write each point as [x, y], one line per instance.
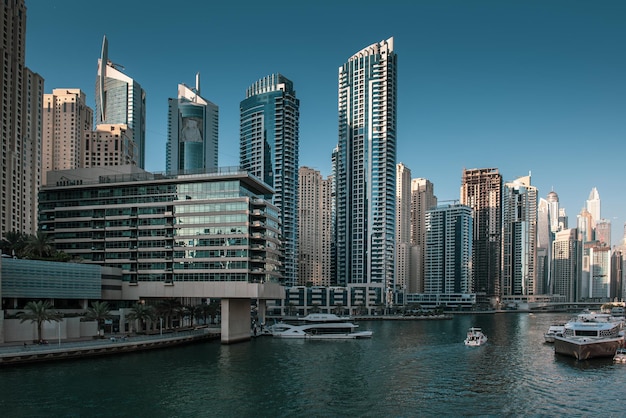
[235, 320]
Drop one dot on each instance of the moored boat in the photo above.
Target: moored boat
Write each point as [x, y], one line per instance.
[590, 335]
[319, 327]
[553, 330]
[475, 337]
[620, 355]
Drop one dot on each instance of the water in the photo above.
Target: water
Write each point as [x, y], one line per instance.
[409, 368]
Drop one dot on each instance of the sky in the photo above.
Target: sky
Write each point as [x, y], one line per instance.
[524, 86]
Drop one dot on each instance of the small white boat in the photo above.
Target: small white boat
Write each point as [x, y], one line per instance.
[475, 337]
[319, 327]
[554, 330]
[620, 355]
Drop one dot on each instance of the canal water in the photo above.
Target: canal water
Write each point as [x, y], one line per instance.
[409, 368]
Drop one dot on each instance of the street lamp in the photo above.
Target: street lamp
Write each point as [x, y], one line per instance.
[161, 321]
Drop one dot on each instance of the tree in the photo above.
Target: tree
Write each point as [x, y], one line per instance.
[142, 313]
[13, 243]
[39, 312]
[39, 246]
[315, 308]
[166, 309]
[99, 311]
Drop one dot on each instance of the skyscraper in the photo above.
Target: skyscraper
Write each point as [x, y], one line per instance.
[481, 190]
[544, 247]
[565, 274]
[422, 199]
[519, 238]
[269, 149]
[192, 137]
[366, 168]
[403, 226]
[593, 206]
[66, 121]
[120, 100]
[448, 255]
[22, 105]
[314, 228]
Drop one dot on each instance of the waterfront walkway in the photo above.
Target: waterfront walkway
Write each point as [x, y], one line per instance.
[18, 353]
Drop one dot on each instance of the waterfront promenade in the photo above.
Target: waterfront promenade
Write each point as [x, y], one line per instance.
[19, 353]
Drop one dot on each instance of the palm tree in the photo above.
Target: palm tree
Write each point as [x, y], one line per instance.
[99, 311]
[141, 313]
[39, 312]
[167, 308]
[315, 308]
[13, 243]
[39, 246]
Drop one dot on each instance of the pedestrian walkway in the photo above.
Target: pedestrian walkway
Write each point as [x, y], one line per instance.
[54, 350]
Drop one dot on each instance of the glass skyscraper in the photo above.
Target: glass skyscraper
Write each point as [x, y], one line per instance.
[192, 137]
[120, 100]
[269, 149]
[365, 167]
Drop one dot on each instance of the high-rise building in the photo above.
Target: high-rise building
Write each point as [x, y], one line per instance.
[422, 199]
[109, 145]
[603, 231]
[403, 226]
[481, 190]
[192, 137]
[544, 247]
[22, 106]
[366, 168]
[553, 210]
[269, 149]
[593, 206]
[448, 264]
[598, 287]
[66, 121]
[120, 100]
[565, 274]
[519, 238]
[313, 228]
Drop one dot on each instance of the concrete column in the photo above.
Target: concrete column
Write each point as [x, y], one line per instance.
[235, 320]
[261, 307]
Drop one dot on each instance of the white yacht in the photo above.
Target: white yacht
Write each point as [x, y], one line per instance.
[475, 337]
[319, 327]
[590, 335]
[553, 330]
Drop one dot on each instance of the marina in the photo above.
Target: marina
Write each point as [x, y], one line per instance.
[407, 369]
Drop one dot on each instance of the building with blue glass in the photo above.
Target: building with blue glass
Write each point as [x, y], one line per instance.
[192, 137]
[269, 150]
[365, 169]
[120, 100]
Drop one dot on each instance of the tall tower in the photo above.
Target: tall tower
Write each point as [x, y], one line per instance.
[448, 250]
[22, 105]
[422, 199]
[269, 149]
[544, 247]
[566, 252]
[313, 228]
[519, 238]
[366, 168]
[66, 121]
[120, 100]
[553, 210]
[481, 190]
[192, 137]
[403, 226]
[593, 206]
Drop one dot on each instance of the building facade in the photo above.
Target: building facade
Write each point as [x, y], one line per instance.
[192, 132]
[120, 100]
[422, 199]
[162, 229]
[109, 145]
[481, 190]
[21, 126]
[365, 169]
[519, 238]
[403, 226]
[269, 150]
[448, 255]
[313, 228]
[66, 121]
[566, 250]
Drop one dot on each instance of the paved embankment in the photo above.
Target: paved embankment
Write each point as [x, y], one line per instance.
[20, 354]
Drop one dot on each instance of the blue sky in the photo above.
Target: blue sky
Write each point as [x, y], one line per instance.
[524, 86]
